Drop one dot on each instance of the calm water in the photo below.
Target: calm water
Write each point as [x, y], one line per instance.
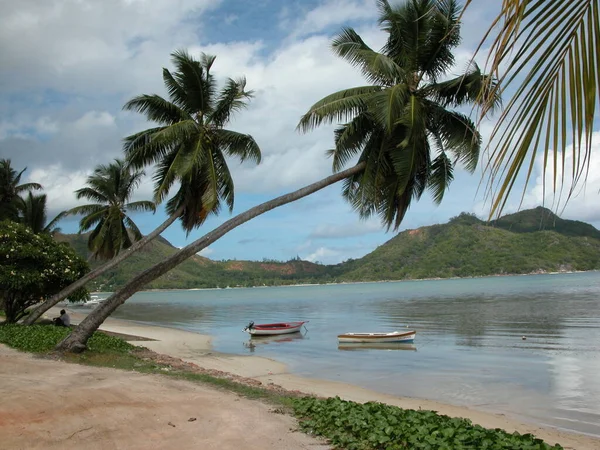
[468, 351]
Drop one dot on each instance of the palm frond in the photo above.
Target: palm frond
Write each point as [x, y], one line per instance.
[27, 187]
[458, 134]
[473, 87]
[231, 100]
[375, 67]
[92, 194]
[193, 79]
[142, 205]
[93, 218]
[157, 109]
[51, 226]
[388, 105]
[140, 150]
[350, 138]
[550, 53]
[237, 144]
[131, 227]
[440, 177]
[338, 107]
[86, 209]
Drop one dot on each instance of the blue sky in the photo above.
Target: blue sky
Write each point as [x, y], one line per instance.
[69, 66]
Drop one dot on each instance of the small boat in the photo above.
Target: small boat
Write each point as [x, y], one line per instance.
[364, 338]
[270, 329]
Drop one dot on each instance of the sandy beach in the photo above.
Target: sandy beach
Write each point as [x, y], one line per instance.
[196, 348]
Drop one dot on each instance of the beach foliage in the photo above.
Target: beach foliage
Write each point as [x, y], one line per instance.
[377, 426]
[110, 187]
[33, 267]
[43, 338]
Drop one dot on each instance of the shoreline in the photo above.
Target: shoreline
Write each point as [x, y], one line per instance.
[341, 283]
[196, 348]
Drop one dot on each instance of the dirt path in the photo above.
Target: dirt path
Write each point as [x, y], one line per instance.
[53, 405]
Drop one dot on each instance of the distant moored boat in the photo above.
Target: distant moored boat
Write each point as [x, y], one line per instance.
[269, 329]
[364, 338]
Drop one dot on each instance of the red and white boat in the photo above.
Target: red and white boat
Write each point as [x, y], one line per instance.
[270, 329]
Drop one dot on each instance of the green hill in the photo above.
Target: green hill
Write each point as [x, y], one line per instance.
[530, 241]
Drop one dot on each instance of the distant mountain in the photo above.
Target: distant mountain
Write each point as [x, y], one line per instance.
[530, 241]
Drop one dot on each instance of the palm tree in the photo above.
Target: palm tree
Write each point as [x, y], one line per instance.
[111, 187]
[190, 144]
[33, 214]
[400, 125]
[545, 56]
[10, 189]
[394, 124]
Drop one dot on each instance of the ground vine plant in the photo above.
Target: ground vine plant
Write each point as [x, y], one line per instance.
[376, 426]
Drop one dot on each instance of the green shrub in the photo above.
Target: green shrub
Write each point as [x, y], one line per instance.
[376, 426]
[43, 338]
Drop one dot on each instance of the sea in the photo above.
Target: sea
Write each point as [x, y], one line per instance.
[525, 346]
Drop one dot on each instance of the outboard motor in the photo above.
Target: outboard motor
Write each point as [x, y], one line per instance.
[249, 326]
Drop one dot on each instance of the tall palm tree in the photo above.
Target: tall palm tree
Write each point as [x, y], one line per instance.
[382, 115]
[33, 212]
[190, 144]
[10, 189]
[400, 125]
[545, 56]
[111, 187]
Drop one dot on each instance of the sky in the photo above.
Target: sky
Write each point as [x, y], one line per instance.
[68, 66]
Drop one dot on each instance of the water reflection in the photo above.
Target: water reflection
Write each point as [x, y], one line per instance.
[257, 341]
[376, 346]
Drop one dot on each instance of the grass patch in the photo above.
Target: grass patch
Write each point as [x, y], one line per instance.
[43, 338]
[132, 362]
[375, 426]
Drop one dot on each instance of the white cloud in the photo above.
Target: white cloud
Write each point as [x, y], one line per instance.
[323, 255]
[206, 252]
[583, 203]
[59, 186]
[333, 12]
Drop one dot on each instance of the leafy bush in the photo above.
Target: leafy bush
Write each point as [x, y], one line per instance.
[43, 338]
[376, 426]
[34, 267]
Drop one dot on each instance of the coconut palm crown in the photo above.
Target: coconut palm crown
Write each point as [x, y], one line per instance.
[10, 190]
[110, 187]
[400, 124]
[190, 144]
[33, 213]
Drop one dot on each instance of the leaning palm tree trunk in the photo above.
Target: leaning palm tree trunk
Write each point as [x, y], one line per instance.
[77, 340]
[41, 309]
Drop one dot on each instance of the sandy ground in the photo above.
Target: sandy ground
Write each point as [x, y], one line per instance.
[53, 405]
[196, 348]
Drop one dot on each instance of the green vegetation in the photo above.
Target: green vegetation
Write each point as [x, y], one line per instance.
[34, 267]
[530, 241]
[375, 426]
[43, 338]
